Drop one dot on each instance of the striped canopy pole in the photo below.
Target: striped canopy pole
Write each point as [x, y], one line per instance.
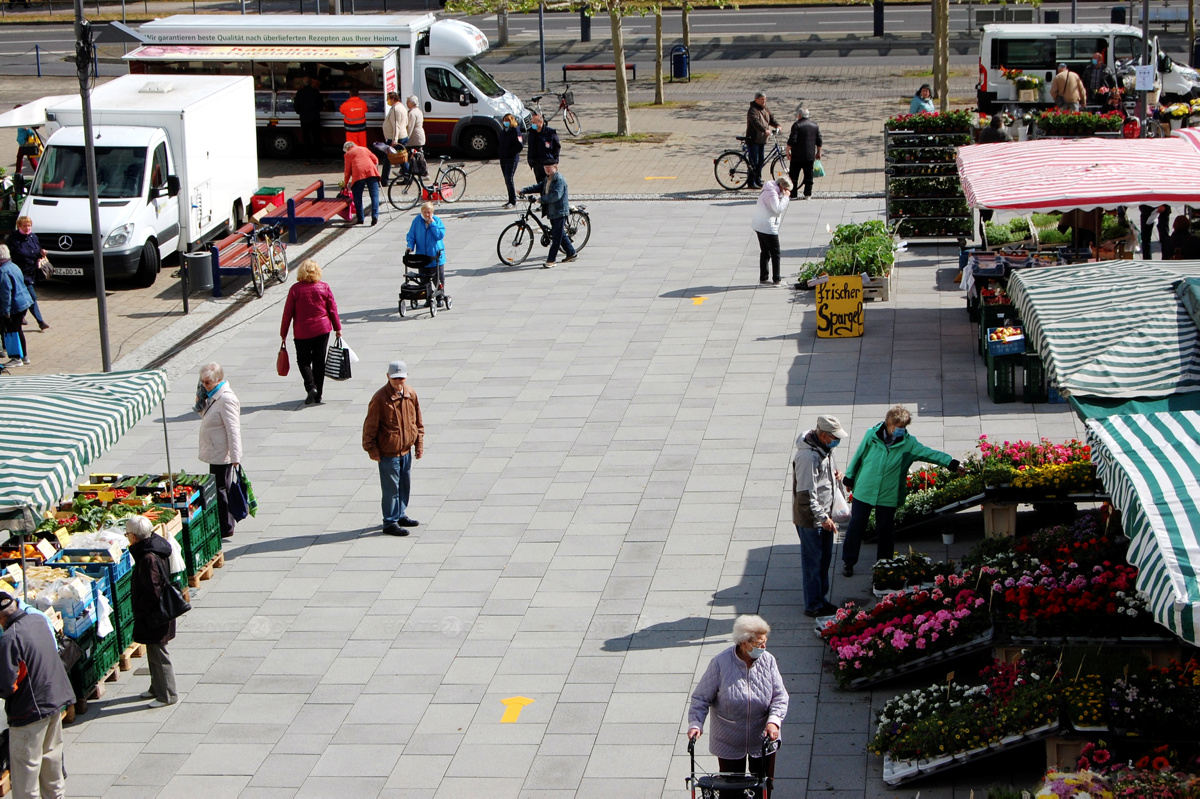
[1150, 465]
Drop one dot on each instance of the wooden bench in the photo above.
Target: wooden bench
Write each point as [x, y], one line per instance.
[594, 68]
[230, 256]
[1166, 15]
[306, 209]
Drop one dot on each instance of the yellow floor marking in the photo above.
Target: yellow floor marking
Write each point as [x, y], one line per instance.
[512, 708]
[672, 177]
[698, 300]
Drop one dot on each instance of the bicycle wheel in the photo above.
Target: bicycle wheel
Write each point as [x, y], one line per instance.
[404, 193]
[453, 185]
[515, 242]
[258, 267]
[779, 167]
[579, 228]
[571, 121]
[279, 264]
[733, 172]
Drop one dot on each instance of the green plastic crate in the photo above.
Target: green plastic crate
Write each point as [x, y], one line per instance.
[100, 655]
[1033, 385]
[1001, 377]
[994, 316]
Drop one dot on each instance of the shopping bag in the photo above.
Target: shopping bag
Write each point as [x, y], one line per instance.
[818, 169]
[840, 514]
[45, 268]
[282, 364]
[241, 496]
[12, 345]
[337, 362]
[418, 165]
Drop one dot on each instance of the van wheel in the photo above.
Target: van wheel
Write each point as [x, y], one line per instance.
[237, 216]
[480, 143]
[279, 144]
[147, 270]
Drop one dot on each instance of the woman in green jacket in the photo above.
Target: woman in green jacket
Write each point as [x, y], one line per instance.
[878, 475]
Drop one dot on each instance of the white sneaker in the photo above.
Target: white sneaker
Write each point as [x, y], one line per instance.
[148, 695]
[547, 265]
[156, 704]
[25, 362]
[14, 362]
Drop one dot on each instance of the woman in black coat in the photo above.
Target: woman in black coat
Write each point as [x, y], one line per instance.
[511, 145]
[151, 577]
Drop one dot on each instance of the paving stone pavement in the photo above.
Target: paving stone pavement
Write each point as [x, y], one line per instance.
[604, 490]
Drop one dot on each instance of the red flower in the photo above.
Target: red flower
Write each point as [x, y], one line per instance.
[1161, 764]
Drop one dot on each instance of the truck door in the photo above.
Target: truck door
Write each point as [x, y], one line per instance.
[447, 99]
[164, 207]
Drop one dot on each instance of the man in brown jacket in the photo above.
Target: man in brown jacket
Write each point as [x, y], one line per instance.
[392, 433]
[759, 120]
[1066, 90]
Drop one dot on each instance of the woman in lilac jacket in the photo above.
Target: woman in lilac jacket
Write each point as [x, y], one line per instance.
[311, 312]
[743, 688]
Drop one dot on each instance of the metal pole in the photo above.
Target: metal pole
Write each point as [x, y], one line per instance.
[122, 12]
[162, 404]
[1074, 10]
[183, 273]
[84, 53]
[585, 26]
[37, 54]
[878, 9]
[1144, 97]
[542, 41]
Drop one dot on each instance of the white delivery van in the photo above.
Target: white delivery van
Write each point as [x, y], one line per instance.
[175, 164]
[414, 54]
[1039, 49]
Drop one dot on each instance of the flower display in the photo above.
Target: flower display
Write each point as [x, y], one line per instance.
[1158, 698]
[1059, 121]
[1086, 701]
[924, 122]
[1074, 785]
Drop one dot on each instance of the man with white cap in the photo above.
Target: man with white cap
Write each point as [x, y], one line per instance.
[813, 483]
[392, 433]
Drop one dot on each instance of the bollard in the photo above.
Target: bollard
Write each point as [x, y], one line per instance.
[37, 54]
[585, 26]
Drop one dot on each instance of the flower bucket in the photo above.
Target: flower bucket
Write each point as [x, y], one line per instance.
[947, 538]
[1027, 95]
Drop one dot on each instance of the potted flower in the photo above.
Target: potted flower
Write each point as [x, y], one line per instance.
[1028, 86]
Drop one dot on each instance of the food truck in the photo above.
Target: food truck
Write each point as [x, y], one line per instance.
[413, 54]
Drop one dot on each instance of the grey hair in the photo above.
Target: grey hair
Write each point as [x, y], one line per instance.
[899, 416]
[785, 183]
[139, 527]
[412, 98]
[748, 626]
[5, 255]
[348, 146]
[213, 372]
[759, 95]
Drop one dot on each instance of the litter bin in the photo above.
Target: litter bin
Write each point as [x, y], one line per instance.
[1117, 15]
[1051, 17]
[680, 68]
[199, 270]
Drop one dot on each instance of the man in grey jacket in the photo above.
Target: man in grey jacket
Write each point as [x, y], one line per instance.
[814, 476]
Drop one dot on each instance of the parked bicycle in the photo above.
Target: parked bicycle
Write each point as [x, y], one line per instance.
[268, 255]
[565, 101]
[408, 190]
[733, 167]
[516, 240]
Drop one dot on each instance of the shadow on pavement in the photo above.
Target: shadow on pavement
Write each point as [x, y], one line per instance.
[701, 291]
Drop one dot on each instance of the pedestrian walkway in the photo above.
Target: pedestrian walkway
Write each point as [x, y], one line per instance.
[604, 489]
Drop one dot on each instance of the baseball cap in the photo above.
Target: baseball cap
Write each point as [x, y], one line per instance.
[398, 369]
[1061, 66]
[830, 424]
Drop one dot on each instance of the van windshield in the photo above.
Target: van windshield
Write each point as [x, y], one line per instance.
[62, 172]
[480, 79]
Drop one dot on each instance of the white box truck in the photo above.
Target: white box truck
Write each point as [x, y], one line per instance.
[413, 54]
[175, 165]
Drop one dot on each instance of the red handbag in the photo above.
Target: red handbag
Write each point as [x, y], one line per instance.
[282, 364]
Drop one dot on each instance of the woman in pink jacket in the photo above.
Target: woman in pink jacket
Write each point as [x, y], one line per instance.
[311, 312]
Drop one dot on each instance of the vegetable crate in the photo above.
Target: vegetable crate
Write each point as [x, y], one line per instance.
[878, 288]
[79, 617]
[197, 540]
[123, 610]
[105, 574]
[992, 316]
[1014, 346]
[99, 655]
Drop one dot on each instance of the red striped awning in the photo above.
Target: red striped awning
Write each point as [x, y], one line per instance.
[1060, 174]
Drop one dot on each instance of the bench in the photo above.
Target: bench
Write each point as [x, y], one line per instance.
[230, 256]
[305, 209]
[1166, 15]
[595, 67]
[989, 16]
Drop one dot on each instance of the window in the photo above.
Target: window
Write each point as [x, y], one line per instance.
[1027, 54]
[443, 85]
[1127, 49]
[158, 167]
[1080, 50]
[119, 172]
[482, 80]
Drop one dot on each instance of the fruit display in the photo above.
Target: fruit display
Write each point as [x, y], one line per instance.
[1005, 334]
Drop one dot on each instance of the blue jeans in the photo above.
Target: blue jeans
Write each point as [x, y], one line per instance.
[394, 479]
[860, 515]
[558, 238]
[816, 555]
[357, 188]
[757, 153]
[37, 313]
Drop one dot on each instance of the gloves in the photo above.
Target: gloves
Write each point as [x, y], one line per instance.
[848, 482]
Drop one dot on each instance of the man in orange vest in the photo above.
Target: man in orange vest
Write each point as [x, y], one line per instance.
[354, 114]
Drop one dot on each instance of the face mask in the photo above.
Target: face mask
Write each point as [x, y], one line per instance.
[1095, 62]
[756, 652]
[507, 125]
[834, 443]
[535, 126]
[900, 433]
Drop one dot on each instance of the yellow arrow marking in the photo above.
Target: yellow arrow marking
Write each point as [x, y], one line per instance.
[698, 300]
[672, 177]
[512, 708]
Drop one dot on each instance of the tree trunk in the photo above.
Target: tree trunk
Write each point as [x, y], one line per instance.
[943, 63]
[618, 43]
[687, 28]
[335, 6]
[658, 55]
[935, 28]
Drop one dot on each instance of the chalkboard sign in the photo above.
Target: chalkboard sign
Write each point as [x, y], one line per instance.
[840, 307]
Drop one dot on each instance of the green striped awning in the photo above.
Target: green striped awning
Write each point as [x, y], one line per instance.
[53, 426]
[1112, 329]
[1150, 465]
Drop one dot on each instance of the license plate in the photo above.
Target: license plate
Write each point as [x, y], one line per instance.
[69, 271]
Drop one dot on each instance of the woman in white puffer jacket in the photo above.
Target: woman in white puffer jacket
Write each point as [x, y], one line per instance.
[220, 437]
[772, 202]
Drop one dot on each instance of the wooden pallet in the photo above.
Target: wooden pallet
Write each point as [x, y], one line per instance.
[206, 572]
[125, 662]
[5, 783]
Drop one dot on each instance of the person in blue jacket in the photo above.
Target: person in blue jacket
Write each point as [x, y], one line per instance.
[557, 206]
[14, 302]
[425, 237]
[922, 101]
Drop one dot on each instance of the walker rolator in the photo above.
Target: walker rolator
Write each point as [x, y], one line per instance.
[421, 285]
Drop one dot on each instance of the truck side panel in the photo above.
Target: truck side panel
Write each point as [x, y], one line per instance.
[217, 161]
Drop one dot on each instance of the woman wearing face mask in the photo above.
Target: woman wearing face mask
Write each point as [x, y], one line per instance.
[922, 101]
[878, 475]
[743, 688]
[511, 145]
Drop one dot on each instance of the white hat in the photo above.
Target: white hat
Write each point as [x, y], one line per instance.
[398, 369]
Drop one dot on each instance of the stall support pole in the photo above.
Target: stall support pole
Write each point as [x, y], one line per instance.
[162, 404]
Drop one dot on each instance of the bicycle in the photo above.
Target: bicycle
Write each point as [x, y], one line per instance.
[516, 240]
[407, 191]
[565, 101]
[268, 256]
[733, 167]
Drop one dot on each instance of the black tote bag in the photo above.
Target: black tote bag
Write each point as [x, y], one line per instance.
[337, 361]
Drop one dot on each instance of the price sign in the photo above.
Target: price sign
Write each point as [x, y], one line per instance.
[64, 538]
[46, 548]
[840, 307]
[1145, 78]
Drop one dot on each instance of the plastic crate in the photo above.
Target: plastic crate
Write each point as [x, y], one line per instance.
[106, 574]
[123, 611]
[80, 617]
[1033, 383]
[1054, 397]
[1014, 346]
[992, 316]
[100, 655]
[1001, 378]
